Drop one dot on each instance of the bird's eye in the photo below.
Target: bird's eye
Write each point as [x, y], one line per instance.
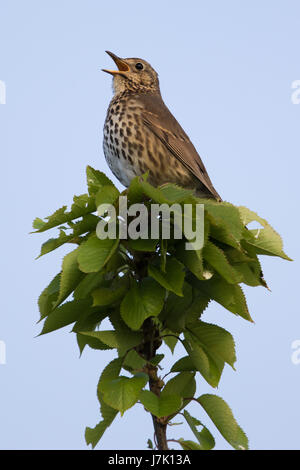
[139, 66]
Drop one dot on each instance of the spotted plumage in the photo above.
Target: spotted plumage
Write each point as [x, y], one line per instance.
[140, 133]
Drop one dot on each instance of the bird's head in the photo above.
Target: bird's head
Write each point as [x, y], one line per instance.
[134, 75]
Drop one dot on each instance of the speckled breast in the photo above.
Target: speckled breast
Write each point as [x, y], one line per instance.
[131, 149]
[123, 143]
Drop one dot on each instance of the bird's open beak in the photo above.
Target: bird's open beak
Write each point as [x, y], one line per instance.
[120, 63]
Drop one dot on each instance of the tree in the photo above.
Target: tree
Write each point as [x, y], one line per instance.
[154, 291]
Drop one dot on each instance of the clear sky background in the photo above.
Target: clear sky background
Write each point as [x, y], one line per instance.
[226, 71]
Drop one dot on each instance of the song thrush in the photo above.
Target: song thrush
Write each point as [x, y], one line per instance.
[141, 134]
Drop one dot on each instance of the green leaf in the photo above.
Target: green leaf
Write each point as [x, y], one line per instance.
[204, 437]
[248, 267]
[199, 304]
[70, 276]
[85, 339]
[38, 223]
[221, 415]
[160, 406]
[65, 315]
[266, 241]
[182, 384]
[109, 373]
[189, 445]
[82, 205]
[149, 444]
[209, 366]
[122, 393]
[225, 222]
[89, 283]
[140, 244]
[93, 435]
[214, 340]
[95, 253]
[110, 295]
[170, 339]
[91, 320]
[48, 297]
[96, 179]
[175, 193]
[133, 362]
[229, 295]
[174, 313]
[114, 339]
[87, 224]
[183, 364]
[172, 279]
[144, 299]
[192, 259]
[106, 195]
[217, 259]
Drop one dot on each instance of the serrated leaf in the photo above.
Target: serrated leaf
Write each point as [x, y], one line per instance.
[225, 222]
[87, 224]
[48, 297]
[109, 373]
[70, 276]
[204, 437]
[114, 339]
[183, 384]
[82, 205]
[172, 279]
[160, 406]
[140, 244]
[93, 435]
[217, 259]
[65, 315]
[174, 313]
[209, 366]
[95, 253]
[266, 240]
[89, 283]
[214, 340]
[96, 179]
[83, 339]
[144, 299]
[170, 339]
[110, 295]
[229, 295]
[183, 364]
[192, 259]
[106, 195]
[221, 415]
[175, 193]
[38, 223]
[123, 392]
[196, 309]
[189, 445]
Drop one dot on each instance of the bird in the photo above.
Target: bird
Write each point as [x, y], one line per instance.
[141, 135]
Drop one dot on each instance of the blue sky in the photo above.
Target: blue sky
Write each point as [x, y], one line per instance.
[226, 72]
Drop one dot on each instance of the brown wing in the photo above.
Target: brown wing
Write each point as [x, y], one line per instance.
[162, 123]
